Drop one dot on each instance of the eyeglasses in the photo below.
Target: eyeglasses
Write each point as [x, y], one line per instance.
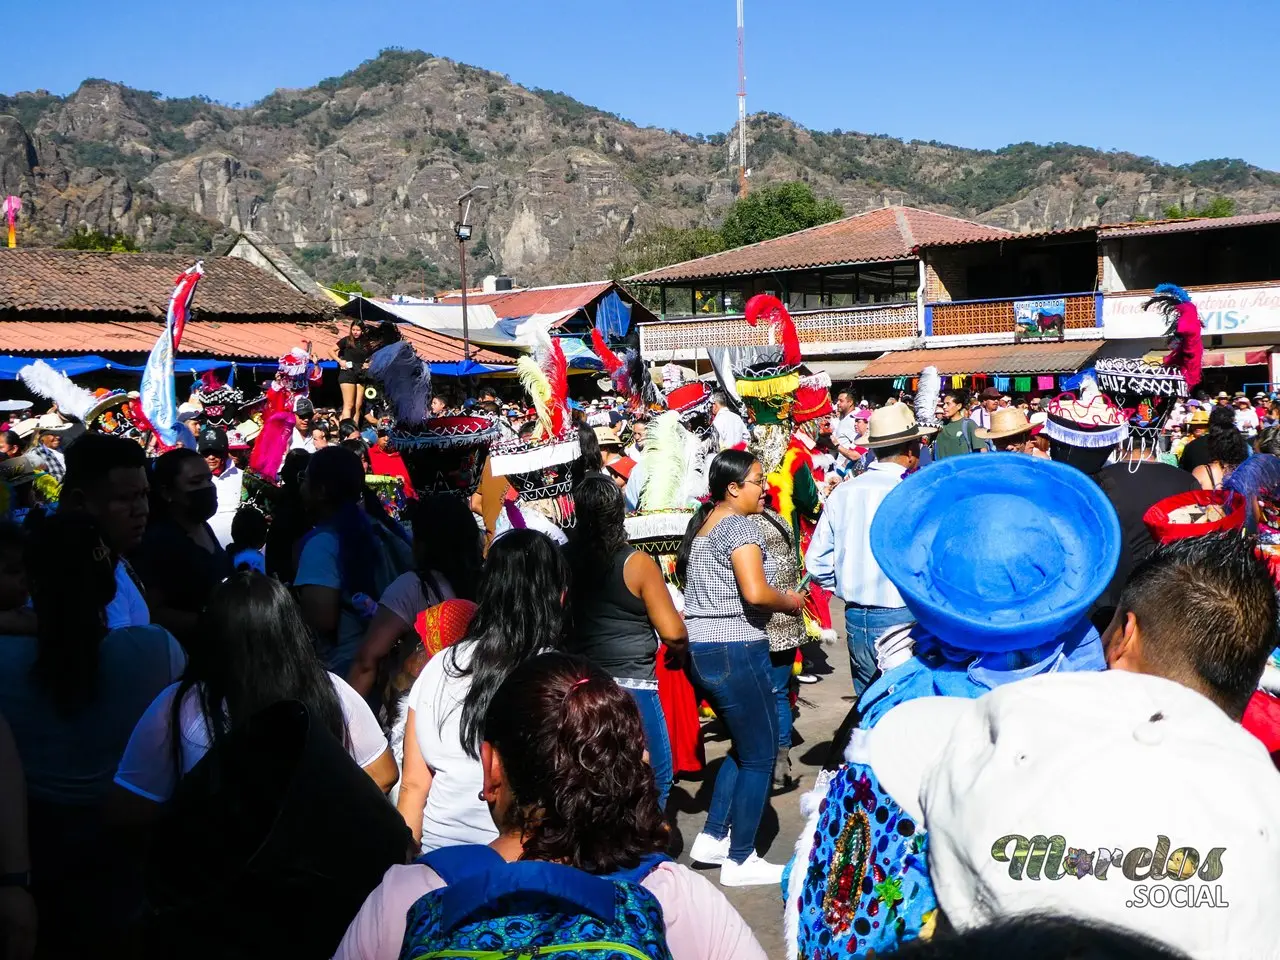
[758, 483]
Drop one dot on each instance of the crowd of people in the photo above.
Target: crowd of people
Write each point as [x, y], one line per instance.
[350, 693]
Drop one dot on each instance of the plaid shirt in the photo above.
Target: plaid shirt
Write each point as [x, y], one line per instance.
[51, 461]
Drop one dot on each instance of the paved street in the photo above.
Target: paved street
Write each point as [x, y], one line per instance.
[823, 705]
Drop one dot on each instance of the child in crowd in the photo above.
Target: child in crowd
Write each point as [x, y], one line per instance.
[248, 537]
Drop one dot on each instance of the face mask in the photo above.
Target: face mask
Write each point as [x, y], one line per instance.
[202, 504]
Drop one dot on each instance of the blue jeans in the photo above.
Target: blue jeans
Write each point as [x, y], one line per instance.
[736, 678]
[656, 740]
[863, 626]
[780, 676]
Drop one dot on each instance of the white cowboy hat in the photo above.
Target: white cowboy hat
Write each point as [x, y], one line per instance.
[893, 425]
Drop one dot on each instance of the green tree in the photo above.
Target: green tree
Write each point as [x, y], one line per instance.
[663, 245]
[351, 286]
[1217, 207]
[775, 211]
[86, 239]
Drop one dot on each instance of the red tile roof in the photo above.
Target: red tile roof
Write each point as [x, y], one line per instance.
[891, 233]
[244, 339]
[1189, 226]
[77, 281]
[523, 303]
[1058, 357]
[1032, 235]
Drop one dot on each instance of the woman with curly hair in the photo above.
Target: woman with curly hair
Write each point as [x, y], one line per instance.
[566, 782]
[621, 607]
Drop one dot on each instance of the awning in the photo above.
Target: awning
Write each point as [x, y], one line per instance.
[1230, 357]
[1023, 358]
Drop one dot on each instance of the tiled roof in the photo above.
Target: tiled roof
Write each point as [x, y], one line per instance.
[141, 284]
[524, 303]
[890, 233]
[207, 338]
[1189, 226]
[1033, 235]
[1057, 357]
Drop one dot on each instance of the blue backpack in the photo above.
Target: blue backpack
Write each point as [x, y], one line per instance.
[494, 910]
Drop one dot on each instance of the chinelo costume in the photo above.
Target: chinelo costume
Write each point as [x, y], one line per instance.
[541, 470]
[999, 560]
[441, 454]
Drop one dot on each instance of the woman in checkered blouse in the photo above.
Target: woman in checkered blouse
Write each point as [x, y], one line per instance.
[728, 599]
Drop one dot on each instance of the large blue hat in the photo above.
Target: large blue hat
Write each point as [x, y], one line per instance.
[997, 552]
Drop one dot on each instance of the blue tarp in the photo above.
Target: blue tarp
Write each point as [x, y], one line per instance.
[465, 368]
[579, 355]
[189, 366]
[613, 316]
[91, 363]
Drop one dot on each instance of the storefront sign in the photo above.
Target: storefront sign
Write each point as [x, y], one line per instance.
[1039, 319]
[1119, 377]
[1243, 310]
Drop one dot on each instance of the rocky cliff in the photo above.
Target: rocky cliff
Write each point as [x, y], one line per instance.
[357, 177]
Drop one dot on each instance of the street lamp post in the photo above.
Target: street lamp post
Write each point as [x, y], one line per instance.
[462, 230]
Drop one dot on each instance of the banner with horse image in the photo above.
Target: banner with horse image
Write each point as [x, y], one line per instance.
[1039, 319]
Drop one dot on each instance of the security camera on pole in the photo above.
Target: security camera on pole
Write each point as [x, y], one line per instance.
[462, 230]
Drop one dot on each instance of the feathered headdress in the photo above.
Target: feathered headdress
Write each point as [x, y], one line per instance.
[545, 378]
[665, 464]
[927, 397]
[1183, 332]
[1169, 298]
[770, 308]
[44, 381]
[406, 381]
[619, 369]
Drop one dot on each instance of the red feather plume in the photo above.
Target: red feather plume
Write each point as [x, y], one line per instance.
[770, 308]
[612, 363]
[557, 371]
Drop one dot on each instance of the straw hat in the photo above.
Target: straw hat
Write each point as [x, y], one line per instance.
[1199, 418]
[1005, 422]
[893, 425]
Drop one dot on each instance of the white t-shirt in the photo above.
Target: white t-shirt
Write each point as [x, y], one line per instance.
[228, 485]
[1247, 421]
[406, 598]
[127, 608]
[147, 767]
[454, 813]
[730, 429]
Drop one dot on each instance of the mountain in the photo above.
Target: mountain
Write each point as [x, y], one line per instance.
[357, 177]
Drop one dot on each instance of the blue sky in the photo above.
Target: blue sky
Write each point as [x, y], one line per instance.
[1172, 79]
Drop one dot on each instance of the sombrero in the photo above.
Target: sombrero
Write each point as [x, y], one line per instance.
[997, 553]
[1195, 513]
[445, 454]
[658, 532]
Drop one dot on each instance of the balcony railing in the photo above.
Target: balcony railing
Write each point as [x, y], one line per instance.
[832, 325]
[947, 318]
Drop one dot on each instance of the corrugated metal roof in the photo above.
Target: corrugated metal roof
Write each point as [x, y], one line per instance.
[1058, 357]
[891, 233]
[1189, 226]
[78, 281]
[525, 303]
[249, 339]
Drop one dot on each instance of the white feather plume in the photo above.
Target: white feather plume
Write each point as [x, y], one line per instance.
[1089, 388]
[406, 381]
[927, 396]
[44, 381]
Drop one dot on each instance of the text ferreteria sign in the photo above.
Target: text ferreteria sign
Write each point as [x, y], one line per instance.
[1242, 310]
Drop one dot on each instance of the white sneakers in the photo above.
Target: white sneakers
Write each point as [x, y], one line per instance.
[707, 849]
[751, 873]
